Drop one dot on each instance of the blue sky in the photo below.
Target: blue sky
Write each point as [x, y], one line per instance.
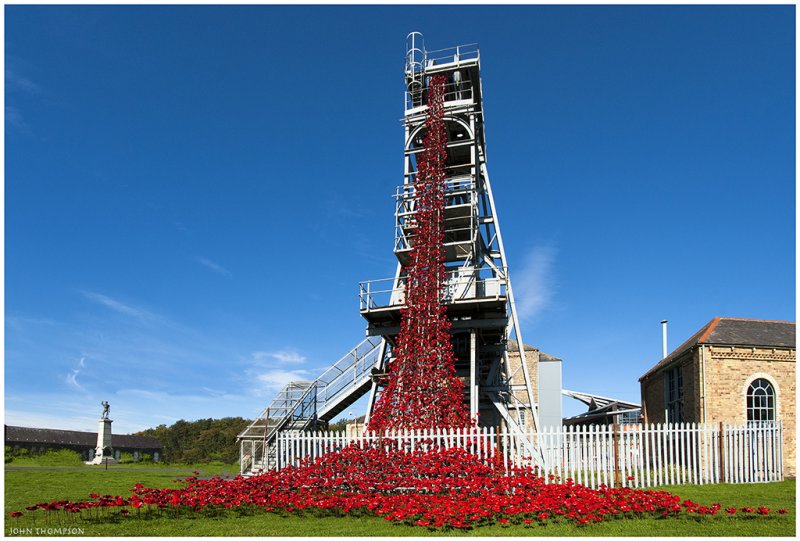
[193, 193]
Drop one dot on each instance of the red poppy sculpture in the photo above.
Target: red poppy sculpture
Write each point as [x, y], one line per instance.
[422, 390]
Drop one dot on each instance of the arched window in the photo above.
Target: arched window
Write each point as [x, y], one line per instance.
[760, 401]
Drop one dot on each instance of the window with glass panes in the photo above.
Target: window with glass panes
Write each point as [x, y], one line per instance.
[760, 401]
[674, 395]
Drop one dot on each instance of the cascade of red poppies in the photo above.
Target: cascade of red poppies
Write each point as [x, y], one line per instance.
[422, 390]
[437, 488]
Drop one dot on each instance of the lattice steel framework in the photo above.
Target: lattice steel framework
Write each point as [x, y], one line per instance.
[477, 291]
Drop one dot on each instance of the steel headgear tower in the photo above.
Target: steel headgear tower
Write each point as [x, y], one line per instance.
[477, 289]
[472, 287]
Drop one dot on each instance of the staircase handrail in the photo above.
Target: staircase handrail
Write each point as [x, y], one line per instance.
[316, 386]
[274, 407]
[344, 370]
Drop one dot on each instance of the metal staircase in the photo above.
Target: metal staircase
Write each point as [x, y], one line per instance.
[303, 405]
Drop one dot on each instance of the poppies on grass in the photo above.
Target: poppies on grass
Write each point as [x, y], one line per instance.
[437, 488]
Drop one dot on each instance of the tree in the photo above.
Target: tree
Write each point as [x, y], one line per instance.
[199, 441]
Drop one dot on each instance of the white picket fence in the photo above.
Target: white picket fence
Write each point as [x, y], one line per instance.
[485, 443]
[664, 454]
[628, 456]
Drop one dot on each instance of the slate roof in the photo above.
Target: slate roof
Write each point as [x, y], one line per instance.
[732, 331]
[50, 436]
[547, 357]
[513, 348]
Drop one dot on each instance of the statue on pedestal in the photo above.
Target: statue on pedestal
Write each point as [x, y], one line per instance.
[104, 451]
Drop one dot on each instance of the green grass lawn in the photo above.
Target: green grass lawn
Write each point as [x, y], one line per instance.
[66, 459]
[26, 487]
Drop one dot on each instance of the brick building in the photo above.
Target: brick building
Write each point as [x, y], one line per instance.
[733, 371]
[546, 390]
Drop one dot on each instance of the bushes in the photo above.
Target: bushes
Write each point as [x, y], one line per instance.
[12, 453]
[60, 457]
[125, 458]
[51, 457]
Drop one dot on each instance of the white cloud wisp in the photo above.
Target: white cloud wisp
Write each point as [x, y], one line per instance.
[534, 284]
[283, 356]
[214, 267]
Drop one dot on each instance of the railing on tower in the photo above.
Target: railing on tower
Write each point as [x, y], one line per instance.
[462, 284]
[418, 61]
[460, 91]
[452, 55]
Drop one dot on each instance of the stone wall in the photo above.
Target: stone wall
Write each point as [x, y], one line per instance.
[654, 393]
[514, 364]
[729, 372]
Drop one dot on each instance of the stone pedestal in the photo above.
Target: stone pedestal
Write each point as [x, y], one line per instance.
[103, 453]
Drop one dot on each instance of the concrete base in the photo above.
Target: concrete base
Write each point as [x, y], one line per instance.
[103, 451]
[99, 460]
